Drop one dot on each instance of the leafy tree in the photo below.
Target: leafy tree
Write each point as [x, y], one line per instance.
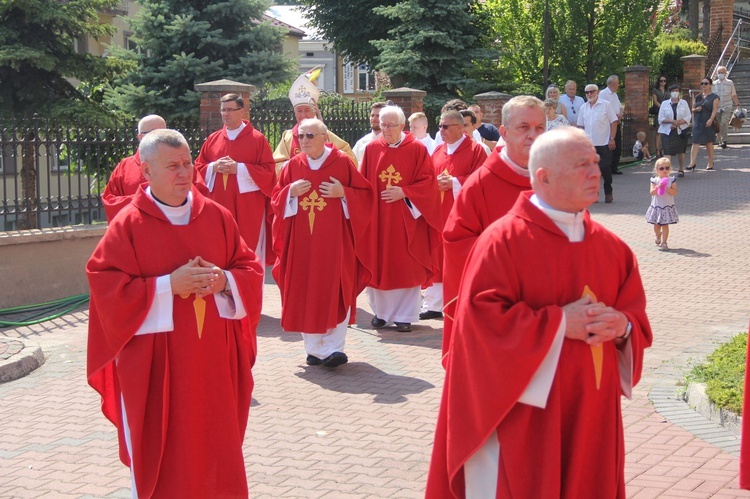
[589, 39]
[37, 55]
[184, 42]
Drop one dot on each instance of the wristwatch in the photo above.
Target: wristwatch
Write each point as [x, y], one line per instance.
[628, 330]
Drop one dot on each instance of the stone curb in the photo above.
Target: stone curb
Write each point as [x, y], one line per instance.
[18, 365]
[695, 396]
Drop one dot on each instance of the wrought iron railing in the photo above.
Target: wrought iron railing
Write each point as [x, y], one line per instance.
[52, 173]
[731, 52]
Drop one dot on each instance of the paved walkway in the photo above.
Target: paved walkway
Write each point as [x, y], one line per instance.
[365, 429]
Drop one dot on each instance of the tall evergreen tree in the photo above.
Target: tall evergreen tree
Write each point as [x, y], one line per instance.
[37, 54]
[184, 42]
[432, 45]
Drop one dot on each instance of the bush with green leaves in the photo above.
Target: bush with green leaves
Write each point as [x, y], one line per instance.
[724, 374]
[670, 48]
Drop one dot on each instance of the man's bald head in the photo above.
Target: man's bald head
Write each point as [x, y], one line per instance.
[564, 168]
[150, 123]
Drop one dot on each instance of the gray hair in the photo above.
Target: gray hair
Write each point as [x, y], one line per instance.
[452, 115]
[612, 79]
[517, 102]
[546, 147]
[318, 124]
[591, 86]
[151, 142]
[393, 111]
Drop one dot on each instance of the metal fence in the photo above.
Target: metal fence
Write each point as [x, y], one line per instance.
[52, 173]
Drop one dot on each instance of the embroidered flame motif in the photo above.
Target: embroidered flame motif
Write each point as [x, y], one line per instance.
[442, 193]
[390, 175]
[309, 204]
[199, 305]
[597, 352]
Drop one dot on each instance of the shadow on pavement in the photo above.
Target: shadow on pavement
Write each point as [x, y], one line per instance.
[689, 253]
[363, 378]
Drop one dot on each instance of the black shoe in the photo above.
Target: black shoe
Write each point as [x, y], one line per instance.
[608, 198]
[313, 361]
[430, 314]
[336, 359]
[617, 172]
[403, 327]
[723, 145]
[377, 323]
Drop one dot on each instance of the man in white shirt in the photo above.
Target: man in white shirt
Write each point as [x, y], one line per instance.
[359, 147]
[599, 121]
[610, 95]
[724, 88]
[571, 101]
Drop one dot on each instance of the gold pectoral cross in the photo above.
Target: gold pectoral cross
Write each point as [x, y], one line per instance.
[309, 204]
[199, 304]
[390, 175]
[597, 351]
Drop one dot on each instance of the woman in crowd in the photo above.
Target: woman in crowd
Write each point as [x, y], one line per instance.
[705, 107]
[658, 95]
[554, 93]
[554, 119]
[674, 119]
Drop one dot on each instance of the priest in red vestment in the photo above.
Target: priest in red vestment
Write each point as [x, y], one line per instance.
[488, 194]
[127, 177]
[173, 289]
[405, 221]
[322, 207]
[237, 165]
[304, 95]
[745, 436]
[454, 160]
[543, 347]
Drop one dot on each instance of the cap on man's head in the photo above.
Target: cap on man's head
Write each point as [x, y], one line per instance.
[304, 91]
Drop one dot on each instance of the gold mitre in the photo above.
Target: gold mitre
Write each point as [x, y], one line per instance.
[303, 89]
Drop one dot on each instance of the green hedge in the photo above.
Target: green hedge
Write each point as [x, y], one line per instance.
[724, 374]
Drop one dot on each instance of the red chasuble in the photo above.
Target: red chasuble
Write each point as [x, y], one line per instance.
[463, 162]
[486, 196]
[509, 309]
[745, 437]
[124, 182]
[250, 147]
[323, 261]
[187, 396]
[406, 248]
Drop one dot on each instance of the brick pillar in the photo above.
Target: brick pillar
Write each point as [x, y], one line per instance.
[693, 71]
[722, 12]
[638, 99]
[492, 106]
[408, 99]
[211, 93]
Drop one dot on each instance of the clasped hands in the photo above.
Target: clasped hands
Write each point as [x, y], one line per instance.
[332, 189]
[593, 323]
[445, 182]
[198, 276]
[225, 165]
[392, 194]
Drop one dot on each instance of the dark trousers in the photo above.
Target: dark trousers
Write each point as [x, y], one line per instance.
[618, 149]
[605, 162]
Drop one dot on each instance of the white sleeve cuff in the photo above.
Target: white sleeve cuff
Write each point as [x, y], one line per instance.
[413, 209]
[230, 306]
[210, 176]
[345, 207]
[159, 317]
[245, 182]
[456, 187]
[292, 205]
[537, 392]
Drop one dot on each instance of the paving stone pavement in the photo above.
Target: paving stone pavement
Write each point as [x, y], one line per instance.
[365, 429]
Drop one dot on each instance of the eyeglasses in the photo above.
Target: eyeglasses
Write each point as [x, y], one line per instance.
[590, 92]
[308, 136]
[705, 83]
[662, 81]
[229, 109]
[389, 125]
[663, 168]
[446, 127]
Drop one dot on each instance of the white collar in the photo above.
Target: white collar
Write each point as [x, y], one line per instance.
[524, 172]
[451, 148]
[400, 139]
[232, 134]
[315, 164]
[571, 224]
[177, 215]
